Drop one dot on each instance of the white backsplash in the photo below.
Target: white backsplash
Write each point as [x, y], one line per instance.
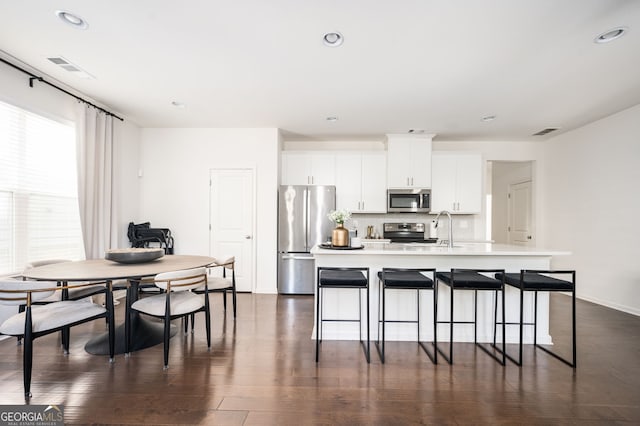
[465, 227]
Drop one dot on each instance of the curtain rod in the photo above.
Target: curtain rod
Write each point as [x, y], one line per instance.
[33, 77]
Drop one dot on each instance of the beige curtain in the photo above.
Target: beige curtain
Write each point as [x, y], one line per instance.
[94, 130]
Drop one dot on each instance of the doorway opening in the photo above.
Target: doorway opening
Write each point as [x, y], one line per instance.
[511, 215]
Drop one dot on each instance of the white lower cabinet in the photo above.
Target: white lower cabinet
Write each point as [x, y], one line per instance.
[361, 182]
[456, 182]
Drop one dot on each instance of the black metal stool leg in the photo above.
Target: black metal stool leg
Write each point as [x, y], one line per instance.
[573, 323]
[318, 318]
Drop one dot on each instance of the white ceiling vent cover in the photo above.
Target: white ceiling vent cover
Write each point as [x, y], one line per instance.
[545, 131]
[70, 66]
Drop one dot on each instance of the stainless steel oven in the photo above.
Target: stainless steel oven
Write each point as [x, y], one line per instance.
[408, 200]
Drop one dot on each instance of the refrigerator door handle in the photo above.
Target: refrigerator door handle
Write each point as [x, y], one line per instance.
[294, 257]
[307, 219]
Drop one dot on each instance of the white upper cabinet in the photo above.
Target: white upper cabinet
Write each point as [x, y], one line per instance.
[409, 161]
[457, 182]
[361, 182]
[308, 168]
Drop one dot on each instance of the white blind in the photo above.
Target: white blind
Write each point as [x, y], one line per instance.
[39, 215]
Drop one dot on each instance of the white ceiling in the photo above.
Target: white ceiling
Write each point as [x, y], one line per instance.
[439, 66]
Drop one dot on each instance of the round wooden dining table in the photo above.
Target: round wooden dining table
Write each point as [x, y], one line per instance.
[144, 333]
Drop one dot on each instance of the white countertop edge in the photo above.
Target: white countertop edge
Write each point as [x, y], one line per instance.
[472, 249]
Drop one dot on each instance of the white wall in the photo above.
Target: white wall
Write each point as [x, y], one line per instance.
[175, 186]
[592, 207]
[126, 160]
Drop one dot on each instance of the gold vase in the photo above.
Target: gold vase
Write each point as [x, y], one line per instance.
[340, 236]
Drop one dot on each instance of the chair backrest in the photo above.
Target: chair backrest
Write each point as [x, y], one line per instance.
[37, 263]
[227, 263]
[185, 279]
[13, 292]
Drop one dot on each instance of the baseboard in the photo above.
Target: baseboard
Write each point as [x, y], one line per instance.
[608, 304]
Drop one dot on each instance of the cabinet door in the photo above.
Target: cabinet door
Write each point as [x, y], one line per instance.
[323, 169]
[469, 184]
[421, 164]
[296, 167]
[409, 162]
[374, 183]
[348, 182]
[398, 163]
[443, 188]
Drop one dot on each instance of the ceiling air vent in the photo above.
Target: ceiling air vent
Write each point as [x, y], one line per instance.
[71, 67]
[545, 131]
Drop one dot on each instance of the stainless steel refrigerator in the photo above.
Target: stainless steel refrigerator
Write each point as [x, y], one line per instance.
[302, 223]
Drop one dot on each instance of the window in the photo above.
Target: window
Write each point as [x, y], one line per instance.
[39, 215]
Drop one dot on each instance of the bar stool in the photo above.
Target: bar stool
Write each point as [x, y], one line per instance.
[342, 278]
[537, 281]
[406, 279]
[473, 279]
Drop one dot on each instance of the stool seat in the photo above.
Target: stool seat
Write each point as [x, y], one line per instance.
[354, 279]
[405, 279]
[470, 280]
[535, 281]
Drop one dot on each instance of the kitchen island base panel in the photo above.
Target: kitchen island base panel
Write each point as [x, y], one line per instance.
[340, 303]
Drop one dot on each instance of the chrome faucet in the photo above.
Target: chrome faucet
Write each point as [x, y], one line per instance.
[450, 241]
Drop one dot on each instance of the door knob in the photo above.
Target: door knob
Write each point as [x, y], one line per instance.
[247, 237]
[528, 237]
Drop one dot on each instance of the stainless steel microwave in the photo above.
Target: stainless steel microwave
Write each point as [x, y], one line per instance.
[408, 200]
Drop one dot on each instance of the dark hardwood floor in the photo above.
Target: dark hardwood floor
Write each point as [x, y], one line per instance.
[261, 370]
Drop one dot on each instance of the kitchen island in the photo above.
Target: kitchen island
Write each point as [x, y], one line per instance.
[401, 304]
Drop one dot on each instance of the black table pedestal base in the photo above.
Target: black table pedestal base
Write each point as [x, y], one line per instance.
[144, 334]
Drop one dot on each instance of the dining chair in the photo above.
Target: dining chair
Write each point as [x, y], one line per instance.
[178, 300]
[219, 284]
[74, 292]
[224, 283]
[40, 320]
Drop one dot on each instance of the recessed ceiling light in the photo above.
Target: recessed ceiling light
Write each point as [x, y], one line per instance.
[488, 118]
[333, 39]
[74, 20]
[611, 35]
[178, 104]
[332, 119]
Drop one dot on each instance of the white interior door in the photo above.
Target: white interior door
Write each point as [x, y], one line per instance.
[520, 230]
[231, 221]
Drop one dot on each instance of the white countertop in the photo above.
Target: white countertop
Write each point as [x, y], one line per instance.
[460, 249]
